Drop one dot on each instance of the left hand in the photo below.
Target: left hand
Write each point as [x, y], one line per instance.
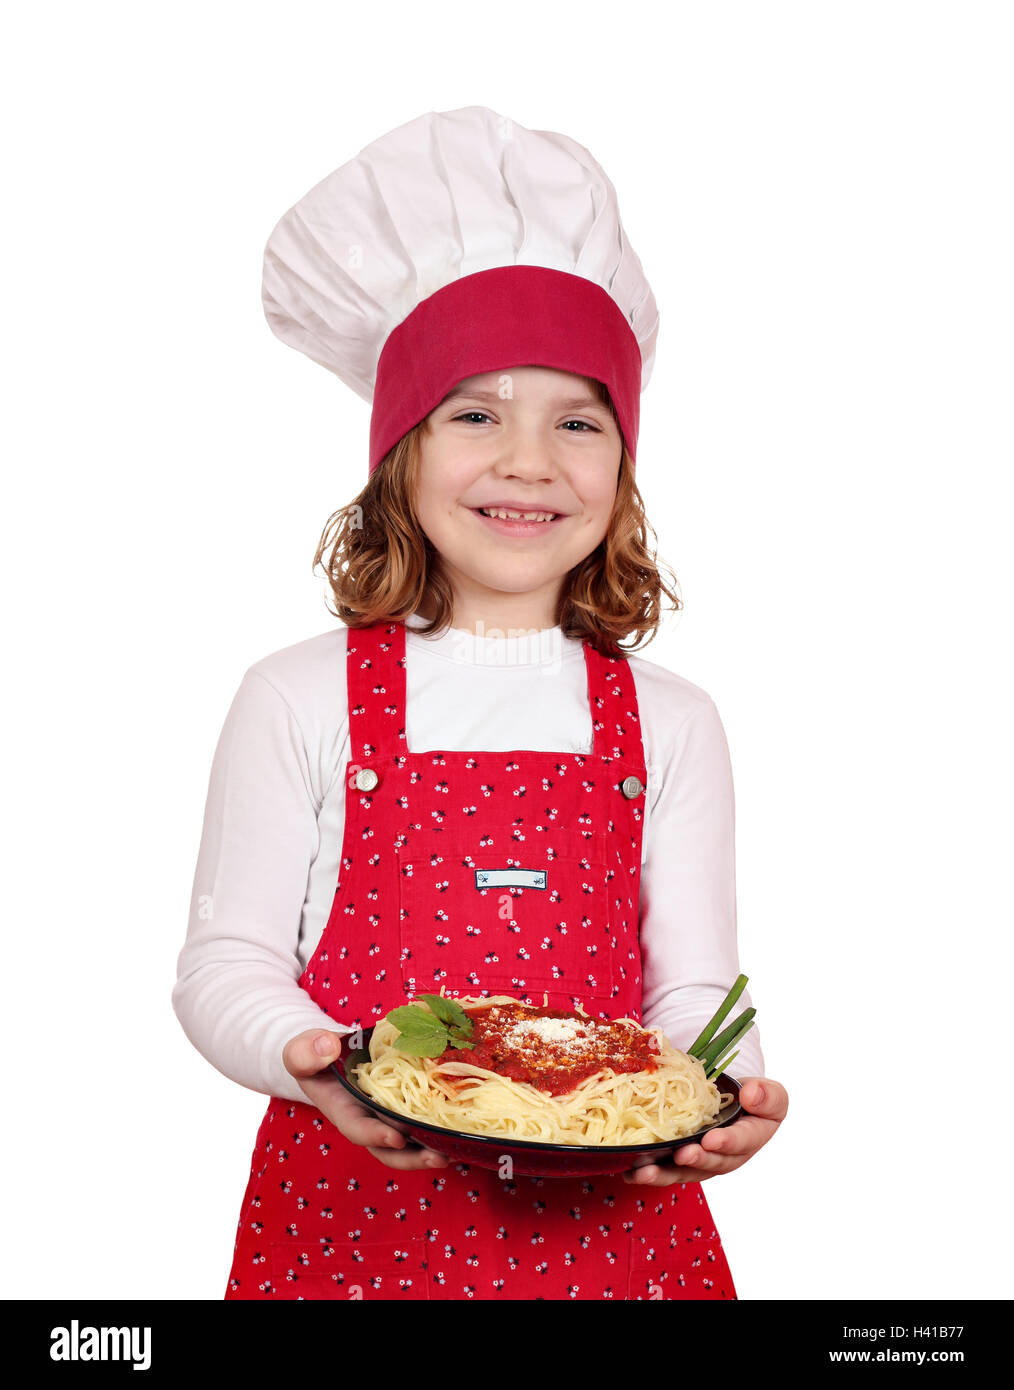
[722, 1150]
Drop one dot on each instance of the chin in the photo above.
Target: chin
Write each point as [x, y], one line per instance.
[513, 579]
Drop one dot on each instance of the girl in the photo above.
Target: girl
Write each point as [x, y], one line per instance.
[473, 280]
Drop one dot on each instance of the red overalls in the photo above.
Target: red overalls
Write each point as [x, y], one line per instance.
[503, 873]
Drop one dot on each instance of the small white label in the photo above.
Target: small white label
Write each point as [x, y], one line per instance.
[510, 878]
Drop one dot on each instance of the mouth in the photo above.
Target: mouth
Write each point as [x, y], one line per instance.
[509, 522]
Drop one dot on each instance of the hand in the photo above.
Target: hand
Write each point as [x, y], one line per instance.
[308, 1057]
[723, 1150]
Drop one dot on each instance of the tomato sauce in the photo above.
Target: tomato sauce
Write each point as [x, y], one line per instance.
[554, 1057]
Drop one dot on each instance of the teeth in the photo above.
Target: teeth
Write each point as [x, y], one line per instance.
[505, 515]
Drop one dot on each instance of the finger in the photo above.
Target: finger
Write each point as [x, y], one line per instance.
[654, 1175]
[743, 1138]
[646, 1176]
[695, 1165]
[366, 1129]
[697, 1160]
[728, 1165]
[762, 1096]
[350, 1118]
[409, 1157]
[651, 1175]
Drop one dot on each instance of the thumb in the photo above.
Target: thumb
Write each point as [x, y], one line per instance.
[762, 1096]
[310, 1052]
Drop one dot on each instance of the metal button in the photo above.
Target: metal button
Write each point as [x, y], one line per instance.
[631, 787]
[366, 779]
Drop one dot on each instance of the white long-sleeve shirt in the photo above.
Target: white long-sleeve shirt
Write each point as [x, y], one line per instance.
[268, 861]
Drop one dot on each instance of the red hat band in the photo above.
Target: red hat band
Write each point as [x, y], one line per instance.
[510, 316]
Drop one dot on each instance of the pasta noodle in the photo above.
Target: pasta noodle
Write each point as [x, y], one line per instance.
[668, 1098]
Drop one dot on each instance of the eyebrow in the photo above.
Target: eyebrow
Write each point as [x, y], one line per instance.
[572, 403]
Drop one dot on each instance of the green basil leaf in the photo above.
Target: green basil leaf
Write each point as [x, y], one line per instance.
[413, 1020]
[449, 1011]
[423, 1035]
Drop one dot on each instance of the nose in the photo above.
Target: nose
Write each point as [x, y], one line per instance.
[527, 454]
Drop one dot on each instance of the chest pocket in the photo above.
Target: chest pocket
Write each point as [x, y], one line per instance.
[488, 910]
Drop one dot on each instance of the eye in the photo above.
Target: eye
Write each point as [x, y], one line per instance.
[480, 415]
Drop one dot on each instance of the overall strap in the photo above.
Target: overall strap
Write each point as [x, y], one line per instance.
[375, 676]
[615, 717]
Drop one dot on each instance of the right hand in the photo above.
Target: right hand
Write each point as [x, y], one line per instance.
[308, 1057]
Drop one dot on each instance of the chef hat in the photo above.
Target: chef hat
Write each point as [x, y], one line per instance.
[457, 244]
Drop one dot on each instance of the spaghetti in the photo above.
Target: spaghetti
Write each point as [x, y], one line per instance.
[546, 1075]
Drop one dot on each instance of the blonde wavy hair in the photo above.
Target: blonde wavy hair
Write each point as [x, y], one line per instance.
[382, 567]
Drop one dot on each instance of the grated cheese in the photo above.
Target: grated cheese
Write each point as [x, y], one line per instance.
[574, 1037]
[548, 1029]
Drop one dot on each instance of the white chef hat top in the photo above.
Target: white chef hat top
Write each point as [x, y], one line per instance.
[389, 257]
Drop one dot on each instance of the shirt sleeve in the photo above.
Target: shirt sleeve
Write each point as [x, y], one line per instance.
[688, 925]
[237, 995]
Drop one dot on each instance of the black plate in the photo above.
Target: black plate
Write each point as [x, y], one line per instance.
[530, 1157]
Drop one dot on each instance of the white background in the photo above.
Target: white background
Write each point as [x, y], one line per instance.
[821, 197]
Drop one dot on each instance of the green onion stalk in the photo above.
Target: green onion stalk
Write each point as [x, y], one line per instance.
[715, 1053]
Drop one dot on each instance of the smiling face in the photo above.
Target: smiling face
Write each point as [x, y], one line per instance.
[528, 440]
